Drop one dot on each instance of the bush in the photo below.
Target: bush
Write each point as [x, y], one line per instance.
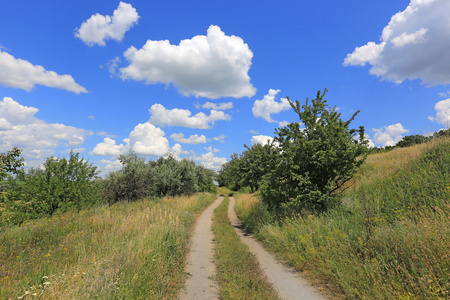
[315, 161]
[63, 184]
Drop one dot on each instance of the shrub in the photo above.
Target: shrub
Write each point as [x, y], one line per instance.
[63, 184]
[314, 161]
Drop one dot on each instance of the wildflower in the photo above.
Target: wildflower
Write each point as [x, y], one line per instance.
[46, 283]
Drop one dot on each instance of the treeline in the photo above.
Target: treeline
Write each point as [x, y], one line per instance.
[73, 183]
[411, 140]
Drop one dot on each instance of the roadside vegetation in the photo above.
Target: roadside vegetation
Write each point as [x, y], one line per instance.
[238, 271]
[389, 237]
[71, 184]
[124, 251]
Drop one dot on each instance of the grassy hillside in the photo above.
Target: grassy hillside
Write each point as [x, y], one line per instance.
[125, 251]
[389, 239]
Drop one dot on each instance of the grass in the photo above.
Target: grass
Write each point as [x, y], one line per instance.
[389, 240]
[126, 251]
[238, 271]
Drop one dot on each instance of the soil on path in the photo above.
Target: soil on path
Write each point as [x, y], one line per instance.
[200, 284]
[288, 283]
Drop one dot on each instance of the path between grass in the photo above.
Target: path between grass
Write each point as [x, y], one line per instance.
[200, 267]
[286, 281]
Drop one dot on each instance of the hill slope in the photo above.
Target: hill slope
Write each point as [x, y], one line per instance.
[388, 240]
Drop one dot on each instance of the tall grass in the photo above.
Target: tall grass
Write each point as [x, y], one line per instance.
[126, 251]
[389, 240]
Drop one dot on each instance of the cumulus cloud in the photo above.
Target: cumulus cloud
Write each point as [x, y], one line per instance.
[193, 139]
[211, 66]
[261, 139]
[267, 106]
[21, 74]
[442, 109]
[145, 139]
[110, 165]
[210, 161]
[182, 117]
[38, 139]
[389, 135]
[220, 138]
[220, 106]
[414, 45]
[98, 28]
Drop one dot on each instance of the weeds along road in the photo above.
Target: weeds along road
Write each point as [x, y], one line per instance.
[288, 283]
[200, 284]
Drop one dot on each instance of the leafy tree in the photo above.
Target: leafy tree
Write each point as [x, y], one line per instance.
[411, 140]
[230, 173]
[314, 161]
[10, 162]
[61, 185]
[257, 161]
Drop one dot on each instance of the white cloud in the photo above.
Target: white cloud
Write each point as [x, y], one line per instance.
[98, 28]
[267, 106]
[261, 139]
[220, 138]
[209, 161]
[182, 117]
[211, 149]
[414, 45]
[110, 165]
[442, 112]
[21, 74]
[193, 139]
[108, 147]
[145, 139]
[37, 138]
[220, 106]
[283, 123]
[389, 135]
[211, 66]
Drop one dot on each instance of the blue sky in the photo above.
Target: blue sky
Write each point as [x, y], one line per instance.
[202, 78]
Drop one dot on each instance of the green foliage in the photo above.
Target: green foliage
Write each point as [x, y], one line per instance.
[10, 162]
[388, 240]
[411, 140]
[63, 184]
[165, 177]
[248, 168]
[314, 161]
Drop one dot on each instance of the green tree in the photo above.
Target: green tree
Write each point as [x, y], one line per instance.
[62, 184]
[256, 161]
[316, 157]
[10, 162]
[411, 140]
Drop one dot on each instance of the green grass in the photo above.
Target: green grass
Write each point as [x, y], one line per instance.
[126, 251]
[238, 271]
[389, 240]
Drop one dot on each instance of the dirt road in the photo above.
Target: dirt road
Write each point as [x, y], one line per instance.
[287, 282]
[200, 284]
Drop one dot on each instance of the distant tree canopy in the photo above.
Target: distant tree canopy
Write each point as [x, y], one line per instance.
[72, 183]
[166, 176]
[248, 168]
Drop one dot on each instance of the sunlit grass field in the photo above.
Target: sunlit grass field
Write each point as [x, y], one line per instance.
[390, 238]
[125, 251]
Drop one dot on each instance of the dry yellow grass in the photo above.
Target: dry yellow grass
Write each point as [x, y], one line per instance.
[126, 251]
